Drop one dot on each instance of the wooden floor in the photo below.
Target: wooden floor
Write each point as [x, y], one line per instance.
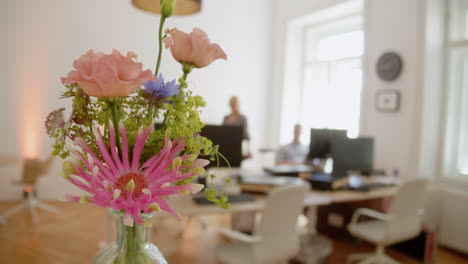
[73, 235]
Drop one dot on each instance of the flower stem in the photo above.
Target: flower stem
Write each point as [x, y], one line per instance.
[131, 245]
[186, 68]
[161, 23]
[164, 120]
[115, 120]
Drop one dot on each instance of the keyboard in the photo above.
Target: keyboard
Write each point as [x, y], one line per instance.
[287, 170]
[366, 187]
[269, 180]
[232, 198]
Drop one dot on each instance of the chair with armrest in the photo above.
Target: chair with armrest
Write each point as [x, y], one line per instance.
[402, 222]
[275, 238]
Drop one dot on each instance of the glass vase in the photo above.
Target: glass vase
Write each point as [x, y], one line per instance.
[132, 245]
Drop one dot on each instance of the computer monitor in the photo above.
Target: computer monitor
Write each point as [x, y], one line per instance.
[320, 142]
[352, 154]
[229, 139]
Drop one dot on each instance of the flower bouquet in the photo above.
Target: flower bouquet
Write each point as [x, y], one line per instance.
[132, 140]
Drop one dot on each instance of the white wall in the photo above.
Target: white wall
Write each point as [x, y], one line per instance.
[8, 141]
[394, 26]
[40, 40]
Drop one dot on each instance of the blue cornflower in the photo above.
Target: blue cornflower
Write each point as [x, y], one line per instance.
[159, 89]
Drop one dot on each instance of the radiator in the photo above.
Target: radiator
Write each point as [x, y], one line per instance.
[453, 217]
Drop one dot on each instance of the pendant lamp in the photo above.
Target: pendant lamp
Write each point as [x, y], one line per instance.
[183, 7]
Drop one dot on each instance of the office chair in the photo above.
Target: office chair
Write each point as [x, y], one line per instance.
[32, 170]
[402, 222]
[275, 239]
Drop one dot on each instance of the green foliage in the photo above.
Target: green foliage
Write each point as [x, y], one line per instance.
[212, 196]
[181, 115]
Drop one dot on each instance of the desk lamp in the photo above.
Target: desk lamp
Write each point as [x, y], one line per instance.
[32, 170]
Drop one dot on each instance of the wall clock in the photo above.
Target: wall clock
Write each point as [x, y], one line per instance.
[389, 66]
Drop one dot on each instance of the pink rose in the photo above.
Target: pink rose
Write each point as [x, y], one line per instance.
[107, 75]
[194, 48]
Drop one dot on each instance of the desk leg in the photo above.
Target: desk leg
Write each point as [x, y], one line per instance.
[312, 217]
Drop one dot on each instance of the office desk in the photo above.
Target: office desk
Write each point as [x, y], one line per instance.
[339, 197]
[187, 207]
[332, 219]
[353, 196]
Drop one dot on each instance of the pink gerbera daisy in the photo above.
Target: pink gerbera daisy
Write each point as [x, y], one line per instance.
[122, 183]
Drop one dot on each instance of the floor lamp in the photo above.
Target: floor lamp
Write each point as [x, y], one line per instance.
[32, 170]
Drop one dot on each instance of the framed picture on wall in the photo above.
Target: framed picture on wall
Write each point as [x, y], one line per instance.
[387, 101]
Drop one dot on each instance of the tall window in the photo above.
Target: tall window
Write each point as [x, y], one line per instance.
[457, 128]
[332, 77]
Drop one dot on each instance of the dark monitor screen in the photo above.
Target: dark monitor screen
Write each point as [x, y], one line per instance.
[320, 142]
[352, 154]
[229, 139]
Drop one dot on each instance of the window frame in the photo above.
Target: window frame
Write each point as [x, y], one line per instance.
[356, 25]
[457, 89]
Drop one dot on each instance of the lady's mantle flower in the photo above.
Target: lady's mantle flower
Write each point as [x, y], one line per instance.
[122, 183]
[159, 89]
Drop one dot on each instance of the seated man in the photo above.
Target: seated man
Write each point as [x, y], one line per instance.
[293, 153]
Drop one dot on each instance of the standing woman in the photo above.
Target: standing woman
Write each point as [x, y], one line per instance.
[243, 221]
[235, 118]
